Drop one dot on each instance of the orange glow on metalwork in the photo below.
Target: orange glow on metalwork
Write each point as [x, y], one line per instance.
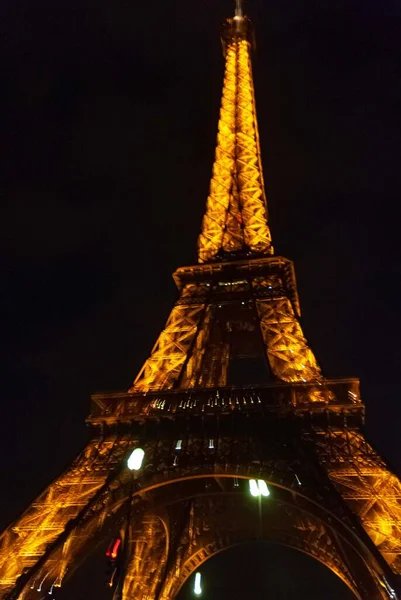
[236, 212]
[46, 518]
[170, 351]
[222, 304]
[289, 355]
[371, 490]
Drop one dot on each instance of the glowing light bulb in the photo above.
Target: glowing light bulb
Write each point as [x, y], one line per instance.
[135, 459]
[254, 488]
[258, 488]
[263, 489]
[197, 584]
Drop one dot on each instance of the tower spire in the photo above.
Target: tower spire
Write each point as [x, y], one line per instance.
[235, 221]
[238, 9]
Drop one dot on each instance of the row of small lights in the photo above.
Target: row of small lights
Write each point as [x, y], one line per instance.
[216, 401]
[257, 487]
[135, 462]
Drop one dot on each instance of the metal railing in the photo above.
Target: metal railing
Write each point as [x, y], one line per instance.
[334, 395]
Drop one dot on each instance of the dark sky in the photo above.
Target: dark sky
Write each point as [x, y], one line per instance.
[111, 114]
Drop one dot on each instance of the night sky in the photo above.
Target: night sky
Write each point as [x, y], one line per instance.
[111, 114]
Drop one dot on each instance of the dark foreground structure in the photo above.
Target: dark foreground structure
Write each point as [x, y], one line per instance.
[239, 436]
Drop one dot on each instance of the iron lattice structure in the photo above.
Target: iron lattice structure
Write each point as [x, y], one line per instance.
[236, 210]
[231, 391]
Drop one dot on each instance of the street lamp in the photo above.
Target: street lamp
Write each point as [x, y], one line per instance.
[197, 584]
[258, 488]
[135, 459]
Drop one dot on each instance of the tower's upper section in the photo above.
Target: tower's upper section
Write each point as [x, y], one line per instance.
[235, 221]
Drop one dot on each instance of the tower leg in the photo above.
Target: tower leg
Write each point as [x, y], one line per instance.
[47, 538]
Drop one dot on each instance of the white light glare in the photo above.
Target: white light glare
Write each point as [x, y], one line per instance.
[197, 584]
[254, 488]
[211, 443]
[389, 589]
[258, 488]
[134, 462]
[263, 489]
[178, 445]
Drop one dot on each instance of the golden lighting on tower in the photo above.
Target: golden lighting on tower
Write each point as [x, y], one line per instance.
[237, 311]
[236, 212]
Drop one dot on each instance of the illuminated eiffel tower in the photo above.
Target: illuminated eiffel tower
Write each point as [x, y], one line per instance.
[231, 404]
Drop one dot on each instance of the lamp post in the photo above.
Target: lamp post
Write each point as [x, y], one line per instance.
[258, 487]
[197, 584]
[134, 464]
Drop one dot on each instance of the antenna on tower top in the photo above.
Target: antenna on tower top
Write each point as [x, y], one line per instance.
[238, 9]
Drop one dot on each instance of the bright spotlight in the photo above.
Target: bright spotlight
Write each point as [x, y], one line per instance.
[263, 489]
[254, 488]
[197, 584]
[134, 462]
[258, 488]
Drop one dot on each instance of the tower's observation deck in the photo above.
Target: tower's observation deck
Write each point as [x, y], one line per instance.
[236, 322]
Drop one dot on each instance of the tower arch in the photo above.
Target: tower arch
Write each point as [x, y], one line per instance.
[266, 559]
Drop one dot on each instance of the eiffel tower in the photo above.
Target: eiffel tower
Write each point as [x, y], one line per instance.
[241, 435]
